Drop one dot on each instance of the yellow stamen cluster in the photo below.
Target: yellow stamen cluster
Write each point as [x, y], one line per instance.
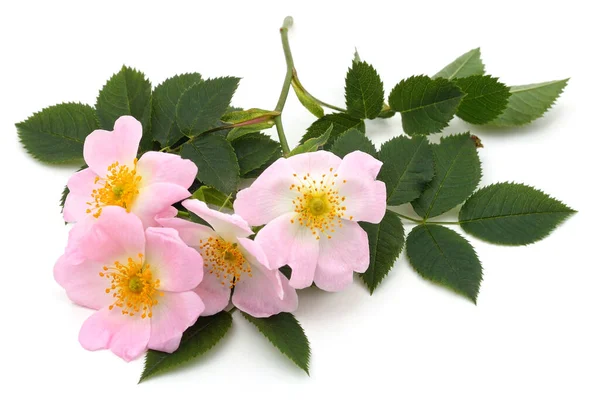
[119, 187]
[319, 205]
[224, 260]
[132, 286]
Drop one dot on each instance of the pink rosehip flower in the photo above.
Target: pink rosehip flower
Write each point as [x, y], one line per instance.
[311, 204]
[115, 176]
[232, 261]
[140, 281]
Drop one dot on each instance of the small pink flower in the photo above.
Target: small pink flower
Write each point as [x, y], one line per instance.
[311, 204]
[139, 281]
[144, 187]
[232, 261]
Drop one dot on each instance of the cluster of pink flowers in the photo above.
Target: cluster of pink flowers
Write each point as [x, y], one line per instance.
[150, 274]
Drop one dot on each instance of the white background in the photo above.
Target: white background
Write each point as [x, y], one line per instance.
[534, 334]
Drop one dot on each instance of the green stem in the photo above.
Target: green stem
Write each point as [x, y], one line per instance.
[408, 217]
[423, 221]
[285, 89]
[225, 202]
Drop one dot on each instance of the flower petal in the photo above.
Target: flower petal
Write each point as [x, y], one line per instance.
[229, 227]
[114, 235]
[83, 283]
[263, 295]
[269, 196]
[315, 163]
[174, 313]
[80, 185]
[174, 263]
[103, 148]
[289, 243]
[360, 162]
[125, 336]
[253, 252]
[213, 293]
[190, 232]
[346, 252]
[161, 167]
[155, 198]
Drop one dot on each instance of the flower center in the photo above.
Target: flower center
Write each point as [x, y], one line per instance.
[133, 287]
[318, 205]
[119, 187]
[224, 260]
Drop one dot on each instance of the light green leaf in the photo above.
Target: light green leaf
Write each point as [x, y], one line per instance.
[443, 256]
[364, 91]
[341, 123]
[255, 151]
[468, 64]
[457, 171]
[286, 334]
[353, 140]
[164, 107]
[529, 102]
[196, 341]
[407, 168]
[200, 107]
[213, 196]
[486, 98]
[386, 240]
[513, 214]
[312, 144]
[56, 134]
[306, 100]
[127, 93]
[217, 164]
[426, 105]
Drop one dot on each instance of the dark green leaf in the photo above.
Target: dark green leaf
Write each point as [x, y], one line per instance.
[457, 172]
[164, 107]
[341, 123]
[312, 144]
[468, 64]
[364, 91]
[307, 100]
[529, 102]
[63, 198]
[56, 134]
[510, 213]
[426, 105]
[407, 168]
[443, 256]
[254, 151]
[201, 105]
[286, 334]
[213, 196]
[217, 164]
[386, 240]
[196, 340]
[353, 140]
[485, 99]
[127, 93]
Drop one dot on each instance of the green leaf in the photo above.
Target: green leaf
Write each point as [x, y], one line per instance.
[56, 134]
[313, 144]
[529, 102]
[213, 196]
[217, 164]
[341, 123]
[407, 168]
[513, 214]
[457, 171]
[200, 107]
[353, 140]
[164, 107]
[386, 240]
[443, 256]
[306, 100]
[196, 341]
[286, 334]
[486, 98]
[427, 105]
[468, 64]
[254, 151]
[126, 93]
[364, 91]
